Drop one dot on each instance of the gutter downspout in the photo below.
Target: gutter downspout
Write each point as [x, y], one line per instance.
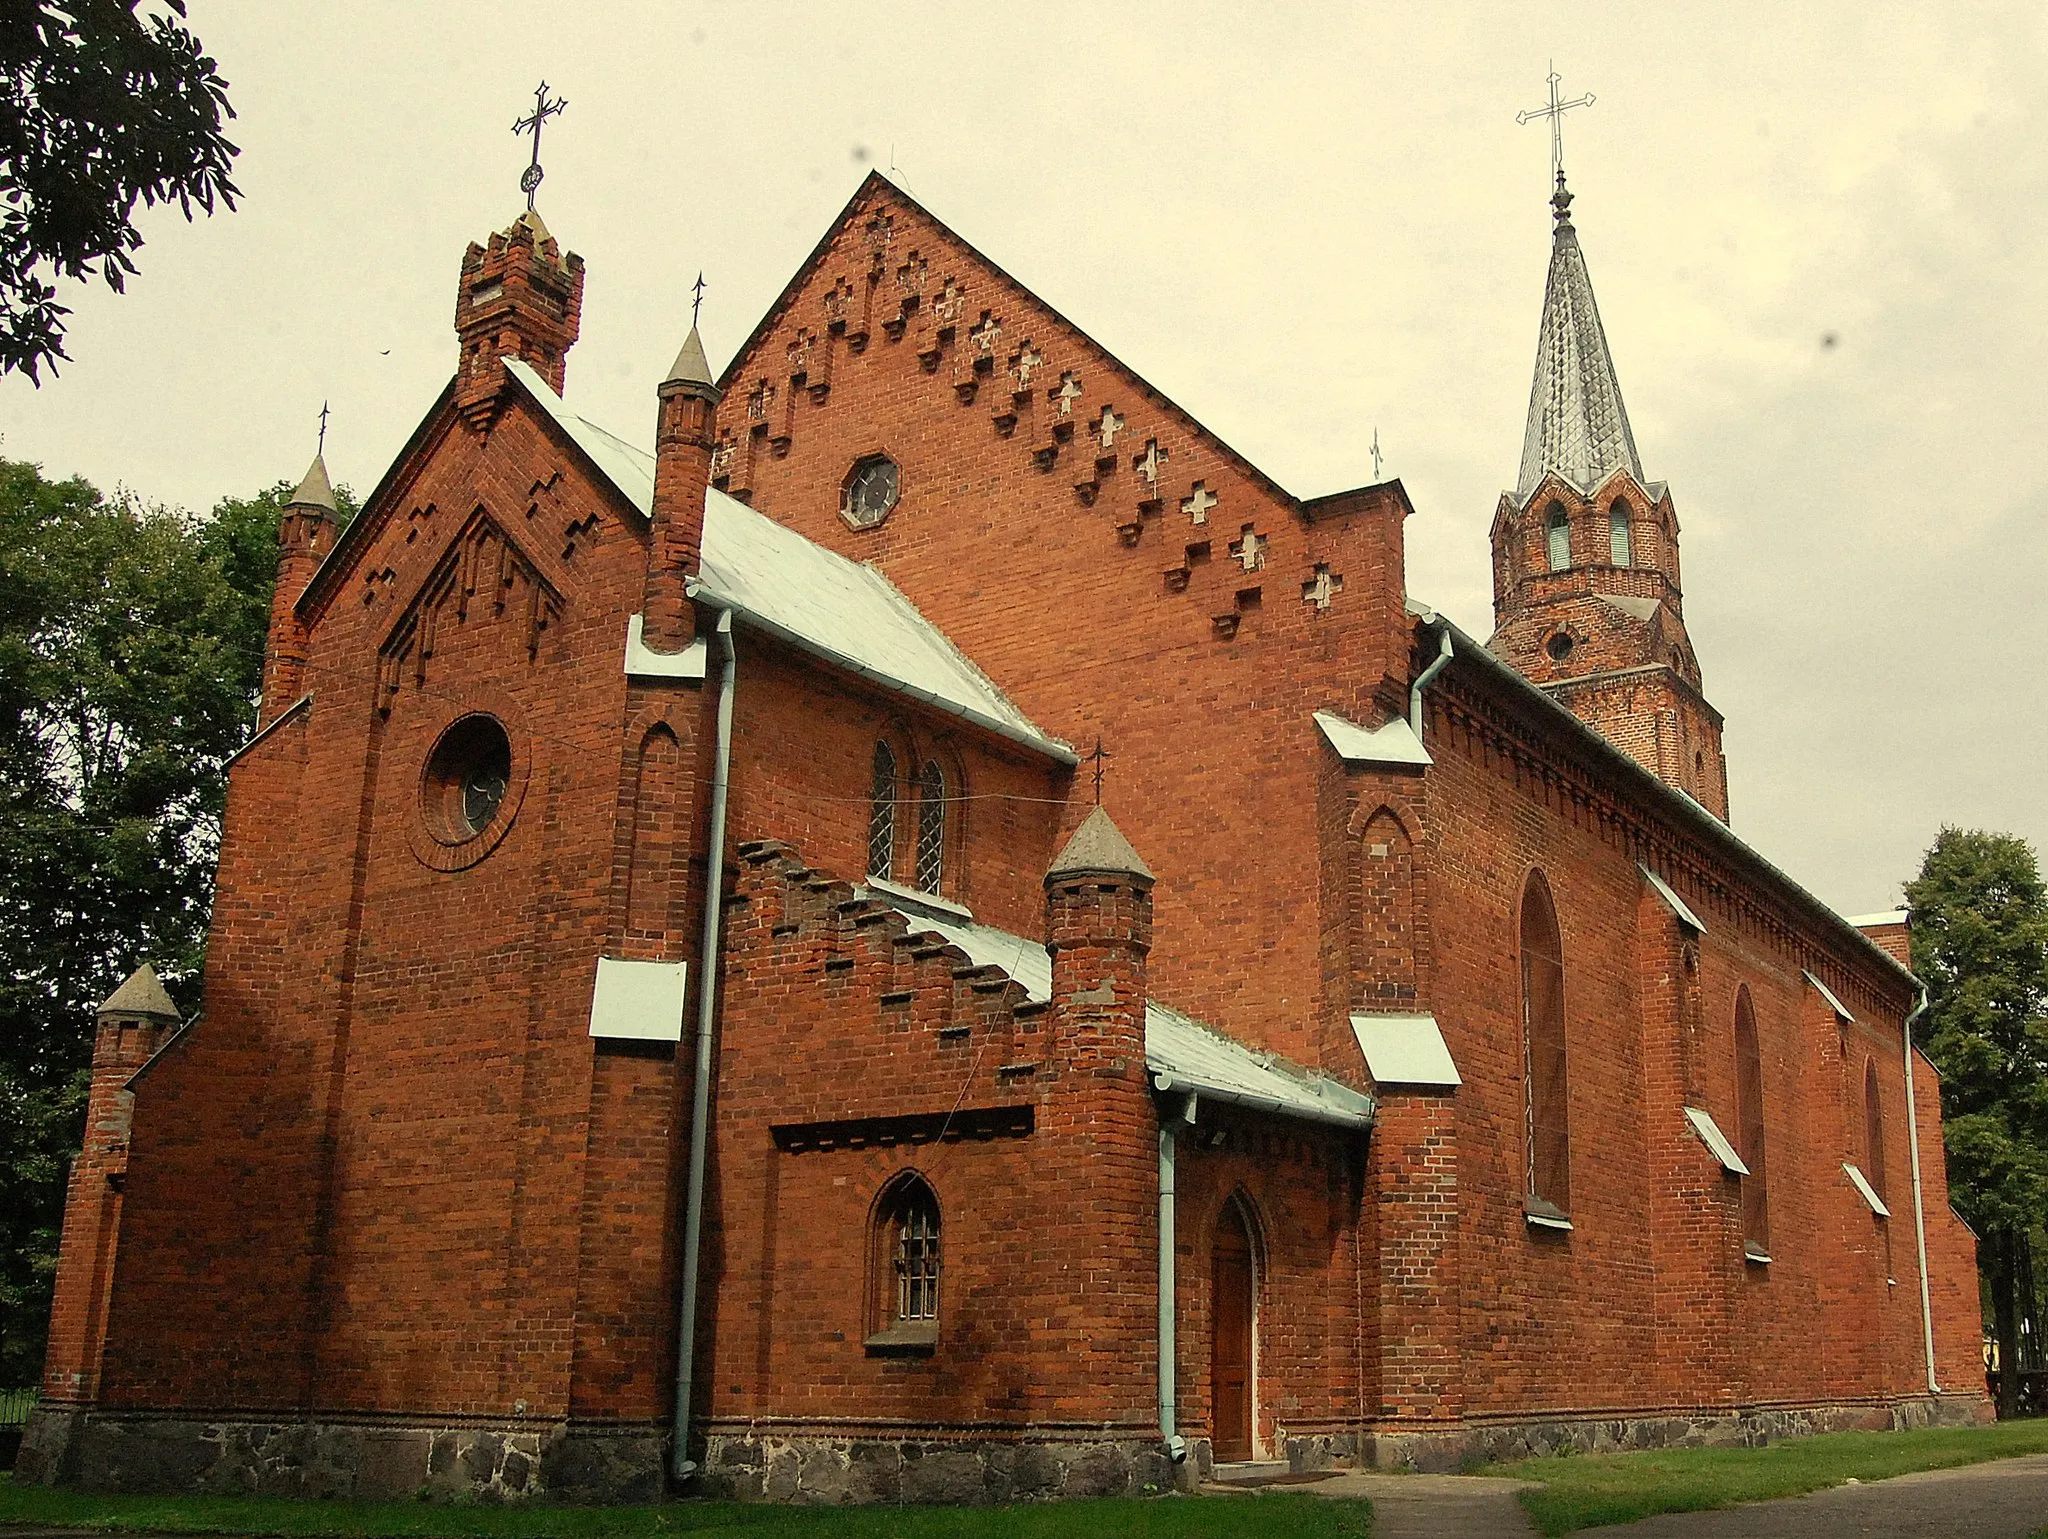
[1442, 658]
[1919, 1213]
[1171, 1116]
[681, 1465]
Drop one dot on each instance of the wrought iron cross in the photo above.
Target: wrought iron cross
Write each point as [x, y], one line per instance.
[1555, 112]
[543, 109]
[1375, 452]
[322, 448]
[1098, 756]
[696, 299]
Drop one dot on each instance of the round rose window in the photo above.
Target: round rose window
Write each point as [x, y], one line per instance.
[466, 778]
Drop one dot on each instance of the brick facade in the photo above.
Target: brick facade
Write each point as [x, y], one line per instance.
[392, 1220]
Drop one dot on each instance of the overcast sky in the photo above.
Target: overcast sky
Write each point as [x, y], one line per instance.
[1818, 234]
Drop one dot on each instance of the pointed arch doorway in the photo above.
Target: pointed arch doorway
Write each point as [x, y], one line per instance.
[1232, 1280]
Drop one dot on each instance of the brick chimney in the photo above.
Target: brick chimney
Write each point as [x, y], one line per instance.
[305, 534]
[685, 428]
[519, 297]
[1098, 927]
[131, 1025]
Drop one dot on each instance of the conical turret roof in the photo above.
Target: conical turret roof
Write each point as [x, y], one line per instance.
[691, 366]
[315, 491]
[1577, 424]
[142, 994]
[1099, 848]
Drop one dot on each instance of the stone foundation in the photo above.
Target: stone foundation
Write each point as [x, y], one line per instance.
[1460, 1448]
[753, 1467]
[513, 1462]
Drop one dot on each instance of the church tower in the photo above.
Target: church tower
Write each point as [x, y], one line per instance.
[1586, 595]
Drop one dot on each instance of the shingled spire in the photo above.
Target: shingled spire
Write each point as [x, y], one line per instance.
[1577, 424]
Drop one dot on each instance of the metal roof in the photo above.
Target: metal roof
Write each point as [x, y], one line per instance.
[1834, 1003]
[1672, 900]
[1393, 743]
[839, 610]
[1577, 424]
[1716, 1141]
[1180, 1053]
[1868, 1192]
[1405, 1049]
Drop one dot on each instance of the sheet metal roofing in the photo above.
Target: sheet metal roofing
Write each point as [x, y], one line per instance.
[846, 613]
[1180, 1053]
[1393, 743]
[1577, 424]
[1716, 1141]
[1405, 1049]
[1672, 900]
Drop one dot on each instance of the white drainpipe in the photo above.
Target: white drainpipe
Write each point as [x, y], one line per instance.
[1171, 1115]
[1436, 666]
[1919, 1213]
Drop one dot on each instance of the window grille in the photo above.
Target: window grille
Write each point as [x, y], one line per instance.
[1619, 544]
[1749, 1123]
[882, 814]
[1546, 1122]
[931, 827]
[1560, 528]
[917, 1257]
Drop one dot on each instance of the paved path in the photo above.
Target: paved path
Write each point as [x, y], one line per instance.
[1437, 1506]
[2005, 1499]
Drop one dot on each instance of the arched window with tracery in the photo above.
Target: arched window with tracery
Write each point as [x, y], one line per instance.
[1545, 1087]
[907, 1264]
[1749, 1124]
[931, 827]
[1873, 1132]
[882, 814]
[1558, 531]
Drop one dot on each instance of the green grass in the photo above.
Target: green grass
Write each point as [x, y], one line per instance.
[1590, 1490]
[1266, 1515]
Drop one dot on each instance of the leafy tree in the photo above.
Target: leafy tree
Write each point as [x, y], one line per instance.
[1980, 940]
[131, 656]
[100, 109]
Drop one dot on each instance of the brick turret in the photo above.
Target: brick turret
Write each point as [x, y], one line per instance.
[1098, 928]
[519, 297]
[685, 430]
[131, 1026]
[305, 533]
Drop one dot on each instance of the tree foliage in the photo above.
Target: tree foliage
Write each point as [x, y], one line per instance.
[100, 109]
[1980, 942]
[131, 656]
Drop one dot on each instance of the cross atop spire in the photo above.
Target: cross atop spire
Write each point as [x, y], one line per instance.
[1555, 111]
[532, 123]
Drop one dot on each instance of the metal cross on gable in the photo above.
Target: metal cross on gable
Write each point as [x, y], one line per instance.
[1555, 112]
[1097, 757]
[696, 299]
[322, 447]
[532, 123]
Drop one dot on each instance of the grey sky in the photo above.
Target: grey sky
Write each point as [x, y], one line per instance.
[1301, 222]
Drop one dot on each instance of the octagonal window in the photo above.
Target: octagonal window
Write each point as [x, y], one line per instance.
[870, 492]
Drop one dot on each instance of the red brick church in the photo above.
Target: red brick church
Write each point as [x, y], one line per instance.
[690, 1007]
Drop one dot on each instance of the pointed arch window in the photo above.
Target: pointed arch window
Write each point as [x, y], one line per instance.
[931, 827]
[1620, 546]
[1545, 1086]
[1873, 1131]
[1558, 530]
[882, 814]
[907, 1260]
[1749, 1124]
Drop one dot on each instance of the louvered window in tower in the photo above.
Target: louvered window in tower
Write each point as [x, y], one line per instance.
[931, 827]
[1749, 1123]
[1559, 529]
[1620, 547]
[882, 814]
[1546, 1124]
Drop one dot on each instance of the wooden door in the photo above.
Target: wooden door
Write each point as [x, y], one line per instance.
[1230, 1348]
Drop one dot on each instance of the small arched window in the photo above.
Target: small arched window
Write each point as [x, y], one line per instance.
[931, 827]
[1558, 528]
[1545, 1087]
[882, 814]
[907, 1263]
[1620, 548]
[1873, 1131]
[1749, 1124]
